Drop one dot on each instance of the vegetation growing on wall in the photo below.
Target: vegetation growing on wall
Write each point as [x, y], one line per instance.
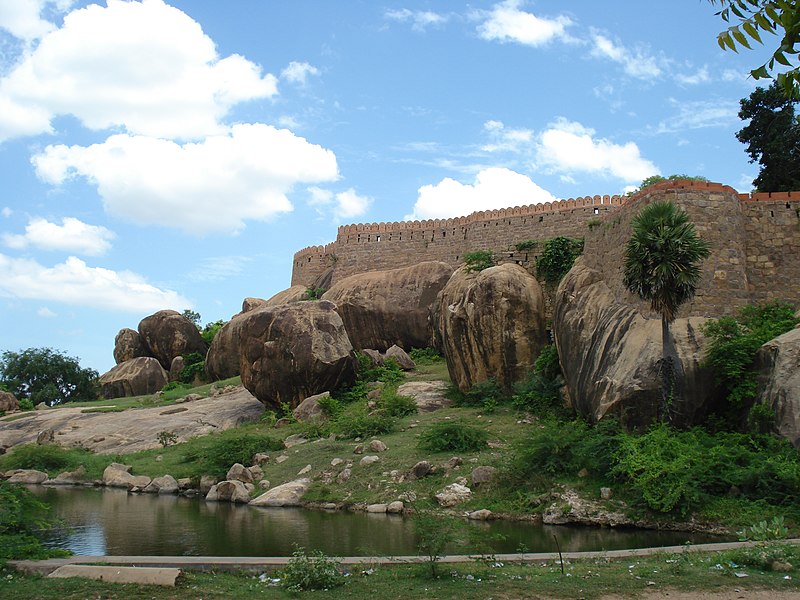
[478, 260]
[557, 257]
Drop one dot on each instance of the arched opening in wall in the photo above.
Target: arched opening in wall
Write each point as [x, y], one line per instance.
[541, 219]
[444, 234]
[377, 238]
[596, 210]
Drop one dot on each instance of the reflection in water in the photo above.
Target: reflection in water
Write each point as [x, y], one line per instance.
[112, 522]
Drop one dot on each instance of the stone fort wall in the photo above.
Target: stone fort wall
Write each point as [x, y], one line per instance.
[755, 241]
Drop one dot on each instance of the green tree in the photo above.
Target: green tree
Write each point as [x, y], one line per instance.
[772, 138]
[47, 375]
[192, 316]
[654, 179]
[755, 17]
[662, 266]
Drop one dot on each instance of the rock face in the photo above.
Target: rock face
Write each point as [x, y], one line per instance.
[610, 353]
[384, 308]
[491, 324]
[293, 351]
[288, 494]
[453, 494]
[310, 409]
[168, 334]
[128, 345]
[135, 377]
[118, 475]
[295, 293]
[222, 360]
[8, 402]
[428, 395]
[28, 476]
[229, 491]
[777, 364]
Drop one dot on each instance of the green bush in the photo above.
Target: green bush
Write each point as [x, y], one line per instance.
[453, 436]
[219, 453]
[481, 394]
[526, 245]
[194, 368]
[540, 396]
[734, 343]
[311, 571]
[331, 407]
[547, 364]
[313, 294]
[557, 257]
[425, 356]
[48, 458]
[478, 260]
[395, 405]
[23, 519]
[211, 330]
[360, 424]
[25, 404]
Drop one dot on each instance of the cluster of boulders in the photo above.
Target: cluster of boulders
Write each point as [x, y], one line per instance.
[151, 357]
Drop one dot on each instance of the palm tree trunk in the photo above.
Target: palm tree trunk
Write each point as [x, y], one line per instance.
[671, 376]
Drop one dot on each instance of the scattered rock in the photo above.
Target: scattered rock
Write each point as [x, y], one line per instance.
[453, 494]
[336, 462]
[395, 508]
[304, 470]
[260, 458]
[8, 402]
[256, 471]
[377, 508]
[164, 485]
[377, 446]
[288, 494]
[28, 476]
[167, 334]
[294, 440]
[46, 437]
[118, 475]
[76, 477]
[368, 460]
[483, 475]
[480, 515]
[229, 491]
[374, 356]
[310, 409]
[206, 483]
[401, 357]
[281, 458]
[606, 493]
[238, 472]
[42, 406]
[263, 484]
[176, 367]
[128, 345]
[422, 469]
[452, 463]
[583, 473]
[344, 476]
[428, 395]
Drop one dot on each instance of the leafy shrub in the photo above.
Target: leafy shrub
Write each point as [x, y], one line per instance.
[540, 396]
[481, 394]
[311, 571]
[194, 368]
[220, 453]
[166, 438]
[558, 255]
[26, 404]
[435, 533]
[526, 245]
[48, 458]
[453, 436]
[331, 407]
[395, 405]
[176, 385]
[23, 518]
[764, 531]
[734, 343]
[363, 425]
[425, 356]
[764, 555]
[210, 331]
[760, 419]
[315, 429]
[478, 260]
[547, 364]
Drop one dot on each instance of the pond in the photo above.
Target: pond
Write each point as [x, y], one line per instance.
[115, 523]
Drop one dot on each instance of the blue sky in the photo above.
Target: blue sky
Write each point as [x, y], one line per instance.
[175, 155]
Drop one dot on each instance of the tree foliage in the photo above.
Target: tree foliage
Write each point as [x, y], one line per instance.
[557, 257]
[756, 17]
[772, 138]
[654, 179]
[47, 375]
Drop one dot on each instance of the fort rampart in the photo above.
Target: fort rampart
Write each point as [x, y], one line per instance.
[755, 240]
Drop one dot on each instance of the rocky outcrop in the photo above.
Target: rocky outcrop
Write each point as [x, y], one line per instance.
[428, 395]
[76, 477]
[293, 351]
[777, 364]
[249, 304]
[296, 293]
[401, 357]
[135, 377]
[453, 494]
[8, 402]
[229, 491]
[168, 334]
[310, 408]
[119, 475]
[128, 345]
[384, 308]
[28, 476]
[288, 494]
[164, 486]
[222, 360]
[491, 325]
[610, 355]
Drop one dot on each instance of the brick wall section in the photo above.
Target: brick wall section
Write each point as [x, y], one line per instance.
[755, 241]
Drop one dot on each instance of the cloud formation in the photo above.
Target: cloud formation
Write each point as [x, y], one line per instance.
[636, 63]
[341, 206]
[210, 186]
[569, 147]
[23, 18]
[74, 282]
[72, 235]
[420, 19]
[507, 23]
[145, 67]
[493, 188]
[298, 72]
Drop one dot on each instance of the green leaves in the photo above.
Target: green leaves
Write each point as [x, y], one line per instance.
[558, 255]
[47, 375]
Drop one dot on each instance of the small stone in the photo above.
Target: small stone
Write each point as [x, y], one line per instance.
[377, 446]
[480, 515]
[304, 470]
[781, 567]
[256, 471]
[583, 473]
[263, 484]
[420, 470]
[376, 508]
[453, 463]
[368, 460]
[336, 462]
[281, 458]
[294, 440]
[343, 476]
[358, 449]
[395, 507]
[260, 458]
[606, 493]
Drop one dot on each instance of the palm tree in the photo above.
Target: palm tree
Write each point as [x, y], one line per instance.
[662, 266]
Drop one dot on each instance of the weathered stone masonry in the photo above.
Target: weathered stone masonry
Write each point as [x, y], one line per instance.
[755, 241]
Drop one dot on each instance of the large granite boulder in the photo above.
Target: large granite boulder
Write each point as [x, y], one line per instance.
[293, 351]
[610, 355]
[127, 345]
[296, 293]
[168, 334]
[288, 494]
[222, 360]
[8, 402]
[491, 324]
[135, 377]
[778, 367]
[384, 308]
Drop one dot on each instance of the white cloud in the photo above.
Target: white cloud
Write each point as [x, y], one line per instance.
[143, 66]
[341, 206]
[570, 147]
[298, 72]
[23, 18]
[6, 212]
[494, 188]
[72, 235]
[698, 77]
[507, 23]
[699, 115]
[46, 313]
[218, 268]
[505, 139]
[420, 19]
[74, 282]
[636, 63]
[212, 186]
